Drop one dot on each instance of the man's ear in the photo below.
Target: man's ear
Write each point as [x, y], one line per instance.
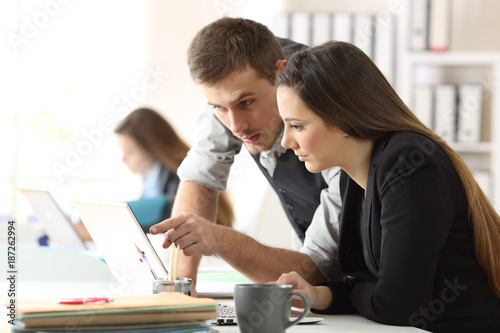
[280, 64]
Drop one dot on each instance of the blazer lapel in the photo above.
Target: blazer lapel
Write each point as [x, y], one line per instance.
[350, 245]
[366, 226]
[370, 231]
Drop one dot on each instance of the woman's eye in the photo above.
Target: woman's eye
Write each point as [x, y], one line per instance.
[295, 127]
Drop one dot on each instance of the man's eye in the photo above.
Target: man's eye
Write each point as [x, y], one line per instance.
[217, 108]
[247, 102]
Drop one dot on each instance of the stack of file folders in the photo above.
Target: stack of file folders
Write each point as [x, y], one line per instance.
[171, 312]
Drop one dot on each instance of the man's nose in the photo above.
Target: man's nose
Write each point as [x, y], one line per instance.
[238, 122]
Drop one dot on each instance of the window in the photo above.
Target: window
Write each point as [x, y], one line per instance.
[73, 70]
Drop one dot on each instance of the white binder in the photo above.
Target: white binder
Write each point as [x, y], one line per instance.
[439, 25]
[419, 25]
[301, 27]
[281, 25]
[423, 104]
[363, 32]
[384, 48]
[445, 111]
[342, 27]
[320, 28]
[470, 104]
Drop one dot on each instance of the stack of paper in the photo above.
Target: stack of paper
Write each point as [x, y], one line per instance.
[174, 312]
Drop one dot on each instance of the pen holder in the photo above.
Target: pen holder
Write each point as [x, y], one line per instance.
[162, 286]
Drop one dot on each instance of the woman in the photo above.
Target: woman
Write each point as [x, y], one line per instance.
[419, 240]
[151, 147]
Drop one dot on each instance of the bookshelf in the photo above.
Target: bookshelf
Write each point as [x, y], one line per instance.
[412, 66]
[453, 67]
[374, 32]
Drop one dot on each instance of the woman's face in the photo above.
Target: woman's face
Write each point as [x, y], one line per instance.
[134, 156]
[314, 142]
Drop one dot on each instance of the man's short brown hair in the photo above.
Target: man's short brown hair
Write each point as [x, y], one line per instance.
[230, 44]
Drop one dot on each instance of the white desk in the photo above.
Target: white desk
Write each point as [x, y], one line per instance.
[32, 284]
[337, 324]
[333, 324]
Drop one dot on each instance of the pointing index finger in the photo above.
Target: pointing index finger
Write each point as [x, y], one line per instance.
[169, 223]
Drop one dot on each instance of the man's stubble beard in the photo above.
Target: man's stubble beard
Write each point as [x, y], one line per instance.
[259, 148]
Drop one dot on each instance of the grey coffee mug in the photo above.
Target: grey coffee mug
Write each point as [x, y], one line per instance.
[265, 308]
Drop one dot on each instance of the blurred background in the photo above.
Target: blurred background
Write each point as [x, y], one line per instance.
[71, 70]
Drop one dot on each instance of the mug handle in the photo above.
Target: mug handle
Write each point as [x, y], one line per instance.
[306, 308]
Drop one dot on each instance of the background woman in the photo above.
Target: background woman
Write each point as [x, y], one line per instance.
[419, 240]
[151, 147]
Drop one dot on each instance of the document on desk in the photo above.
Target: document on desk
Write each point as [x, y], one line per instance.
[216, 278]
[164, 310]
[219, 284]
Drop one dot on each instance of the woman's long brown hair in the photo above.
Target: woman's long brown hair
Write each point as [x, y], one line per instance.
[340, 83]
[155, 135]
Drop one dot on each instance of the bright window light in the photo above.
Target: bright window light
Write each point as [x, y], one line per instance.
[73, 69]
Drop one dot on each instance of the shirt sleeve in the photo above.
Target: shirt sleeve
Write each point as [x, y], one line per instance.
[210, 158]
[322, 236]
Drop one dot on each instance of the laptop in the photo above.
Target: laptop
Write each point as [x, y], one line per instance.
[118, 235]
[57, 225]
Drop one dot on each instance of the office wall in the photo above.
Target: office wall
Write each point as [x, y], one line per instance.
[172, 25]
[170, 30]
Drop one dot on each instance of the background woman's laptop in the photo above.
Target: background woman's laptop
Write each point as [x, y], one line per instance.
[116, 233]
[57, 225]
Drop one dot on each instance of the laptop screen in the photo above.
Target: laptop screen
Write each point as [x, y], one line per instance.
[58, 227]
[118, 236]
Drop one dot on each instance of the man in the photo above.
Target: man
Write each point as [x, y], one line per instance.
[235, 62]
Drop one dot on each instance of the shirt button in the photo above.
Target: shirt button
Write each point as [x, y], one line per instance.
[290, 206]
[282, 190]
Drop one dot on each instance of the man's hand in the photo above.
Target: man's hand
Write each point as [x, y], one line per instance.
[193, 234]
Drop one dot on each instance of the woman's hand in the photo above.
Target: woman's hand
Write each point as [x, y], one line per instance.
[320, 297]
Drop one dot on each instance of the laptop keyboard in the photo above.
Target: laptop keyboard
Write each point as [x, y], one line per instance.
[226, 315]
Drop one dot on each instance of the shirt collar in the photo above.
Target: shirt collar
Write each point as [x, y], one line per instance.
[277, 147]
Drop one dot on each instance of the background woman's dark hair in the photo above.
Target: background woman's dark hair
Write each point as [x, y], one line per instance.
[155, 135]
[341, 84]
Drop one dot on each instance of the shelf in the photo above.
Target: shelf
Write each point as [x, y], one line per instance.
[454, 58]
[455, 67]
[481, 147]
